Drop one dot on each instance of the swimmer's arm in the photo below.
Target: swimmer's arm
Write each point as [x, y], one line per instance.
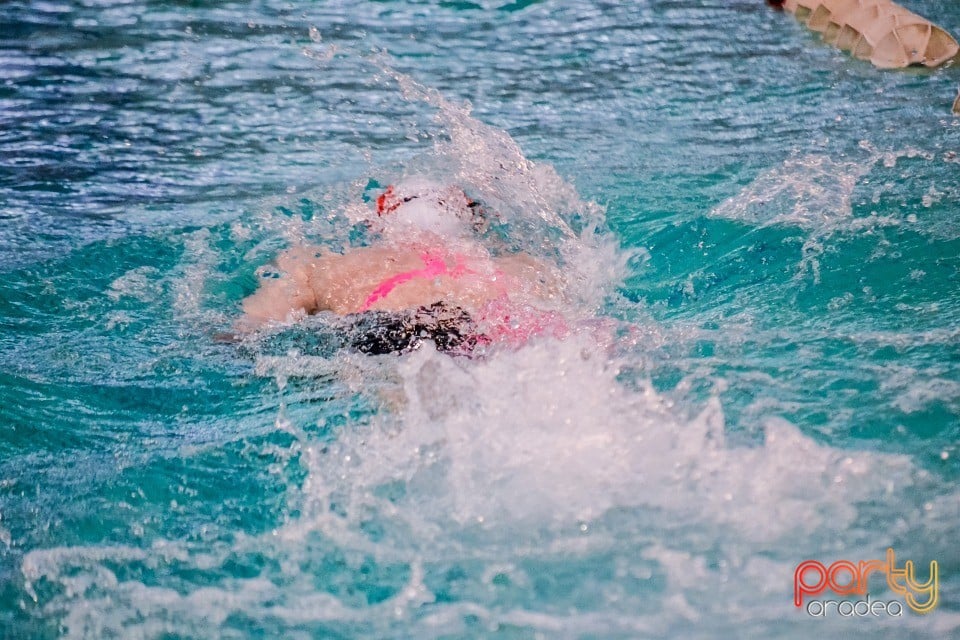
[291, 293]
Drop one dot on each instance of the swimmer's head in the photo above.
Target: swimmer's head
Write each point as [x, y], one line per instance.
[427, 206]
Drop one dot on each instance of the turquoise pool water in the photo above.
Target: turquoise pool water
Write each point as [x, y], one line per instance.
[772, 225]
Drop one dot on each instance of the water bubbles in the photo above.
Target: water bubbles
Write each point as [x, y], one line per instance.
[932, 197]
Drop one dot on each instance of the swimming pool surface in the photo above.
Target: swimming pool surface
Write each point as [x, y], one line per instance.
[771, 225]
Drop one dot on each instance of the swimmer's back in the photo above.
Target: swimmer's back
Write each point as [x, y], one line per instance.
[392, 279]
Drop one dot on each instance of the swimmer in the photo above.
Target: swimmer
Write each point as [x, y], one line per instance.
[429, 273]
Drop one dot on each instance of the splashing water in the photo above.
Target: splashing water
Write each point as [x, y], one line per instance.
[714, 418]
[494, 469]
[814, 193]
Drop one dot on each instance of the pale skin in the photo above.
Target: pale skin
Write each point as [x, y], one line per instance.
[314, 280]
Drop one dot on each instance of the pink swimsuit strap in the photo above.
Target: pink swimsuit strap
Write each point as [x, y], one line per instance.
[433, 266]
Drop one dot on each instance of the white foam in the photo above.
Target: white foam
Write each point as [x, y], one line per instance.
[548, 435]
[917, 389]
[542, 453]
[811, 191]
[140, 283]
[815, 193]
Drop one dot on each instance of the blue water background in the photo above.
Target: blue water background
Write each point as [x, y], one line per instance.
[137, 137]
